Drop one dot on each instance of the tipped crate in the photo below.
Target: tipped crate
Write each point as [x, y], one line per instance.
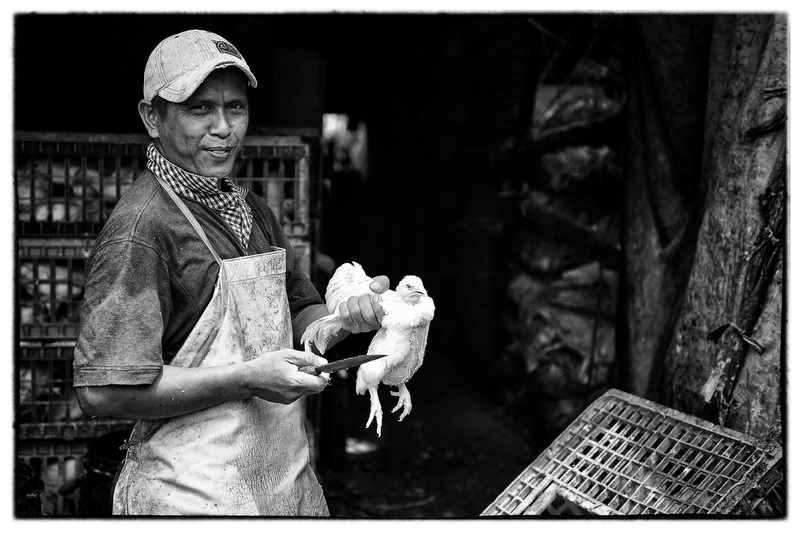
[628, 456]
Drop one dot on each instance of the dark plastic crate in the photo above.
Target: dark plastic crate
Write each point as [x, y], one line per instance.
[47, 406]
[52, 279]
[50, 286]
[67, 184]
[55, 462]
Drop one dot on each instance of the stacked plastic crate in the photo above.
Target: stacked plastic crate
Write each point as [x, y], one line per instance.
[67, 185]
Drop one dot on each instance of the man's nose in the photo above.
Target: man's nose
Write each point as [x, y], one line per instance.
[221, 125]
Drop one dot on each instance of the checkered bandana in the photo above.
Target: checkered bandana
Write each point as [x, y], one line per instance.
[230, 204]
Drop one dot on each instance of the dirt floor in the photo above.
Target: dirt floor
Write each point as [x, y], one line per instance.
[450, 458]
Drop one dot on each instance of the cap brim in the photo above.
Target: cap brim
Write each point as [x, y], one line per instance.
[182, 87]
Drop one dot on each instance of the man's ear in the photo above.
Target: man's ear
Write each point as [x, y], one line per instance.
[149, 117]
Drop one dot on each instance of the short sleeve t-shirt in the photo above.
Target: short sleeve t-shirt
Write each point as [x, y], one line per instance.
[150, 277]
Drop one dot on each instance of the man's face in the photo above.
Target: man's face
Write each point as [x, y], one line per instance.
[203, 134]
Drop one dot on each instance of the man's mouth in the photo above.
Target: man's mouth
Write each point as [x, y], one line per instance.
[220, 153]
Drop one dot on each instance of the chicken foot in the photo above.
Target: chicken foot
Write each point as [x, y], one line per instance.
[404, 401]
[375, 410]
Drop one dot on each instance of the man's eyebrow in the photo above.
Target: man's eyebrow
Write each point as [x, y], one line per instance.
[195, 101]
[191, 102]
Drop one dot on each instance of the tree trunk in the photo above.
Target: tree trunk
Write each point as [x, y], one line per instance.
[668, 69]
[731, 320]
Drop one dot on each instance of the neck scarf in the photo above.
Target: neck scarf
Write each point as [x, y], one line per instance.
[228, 202]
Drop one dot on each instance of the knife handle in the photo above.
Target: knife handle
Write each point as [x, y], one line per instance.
[310, 370]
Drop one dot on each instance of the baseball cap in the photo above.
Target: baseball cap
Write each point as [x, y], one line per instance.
[180, 63]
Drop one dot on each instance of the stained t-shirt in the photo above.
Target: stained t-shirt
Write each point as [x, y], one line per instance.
[150, 277]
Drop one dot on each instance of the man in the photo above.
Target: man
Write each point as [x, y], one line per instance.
[193, 301]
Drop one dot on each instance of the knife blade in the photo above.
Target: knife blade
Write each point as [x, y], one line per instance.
[342, 364]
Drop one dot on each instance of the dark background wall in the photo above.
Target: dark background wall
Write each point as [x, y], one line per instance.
[99, 92]
[306, 62]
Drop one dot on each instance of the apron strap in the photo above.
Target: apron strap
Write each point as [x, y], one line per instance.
[192, 220]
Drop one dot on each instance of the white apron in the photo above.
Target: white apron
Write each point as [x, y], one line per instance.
[246, 457]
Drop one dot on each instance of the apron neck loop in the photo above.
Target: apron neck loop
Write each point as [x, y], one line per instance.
[192, 220]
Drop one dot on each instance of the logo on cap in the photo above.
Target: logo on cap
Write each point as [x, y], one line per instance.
[227, 48]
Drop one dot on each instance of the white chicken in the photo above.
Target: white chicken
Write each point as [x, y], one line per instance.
[403, 335]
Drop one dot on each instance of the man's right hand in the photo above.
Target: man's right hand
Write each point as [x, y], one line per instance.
[277, 376]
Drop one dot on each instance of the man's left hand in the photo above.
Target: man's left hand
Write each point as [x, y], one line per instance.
[364, 313]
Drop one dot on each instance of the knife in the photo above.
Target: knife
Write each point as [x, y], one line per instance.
[342, 364]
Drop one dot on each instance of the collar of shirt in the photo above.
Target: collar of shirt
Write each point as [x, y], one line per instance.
[229, 203]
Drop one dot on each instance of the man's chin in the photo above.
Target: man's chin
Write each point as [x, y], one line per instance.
[217, 171]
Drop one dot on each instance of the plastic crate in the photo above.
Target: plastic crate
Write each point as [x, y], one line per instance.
[302, 250]
[278, 169]
[47, 406]
[628, 456]
[55, 462]
[68, 183]
[51, 282]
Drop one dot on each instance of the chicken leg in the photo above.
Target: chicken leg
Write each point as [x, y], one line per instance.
[404, 401]
[375, 410]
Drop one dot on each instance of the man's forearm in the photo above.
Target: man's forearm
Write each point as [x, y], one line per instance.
[176, 391]
[272, 376]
